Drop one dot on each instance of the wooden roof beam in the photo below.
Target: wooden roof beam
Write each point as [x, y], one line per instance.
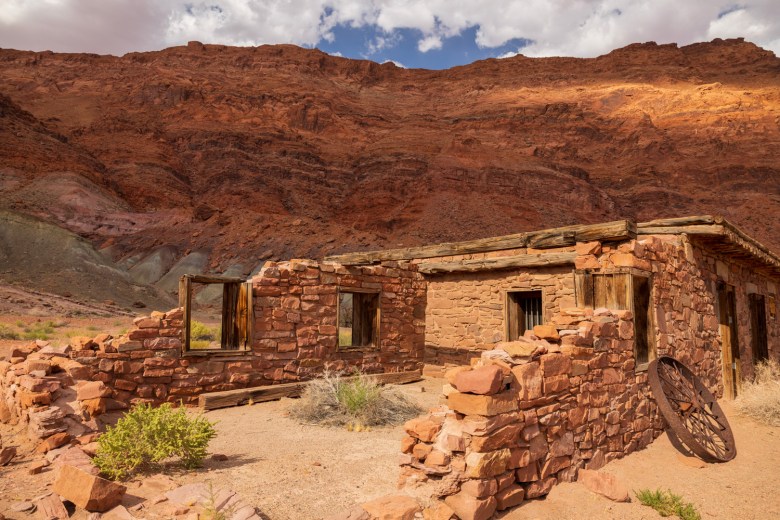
[505, 262]
[549, 238]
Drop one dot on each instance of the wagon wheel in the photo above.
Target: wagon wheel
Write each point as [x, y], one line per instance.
[691, 410]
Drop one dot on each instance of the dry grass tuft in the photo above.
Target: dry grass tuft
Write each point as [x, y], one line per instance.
[760, 398]
[357, 402]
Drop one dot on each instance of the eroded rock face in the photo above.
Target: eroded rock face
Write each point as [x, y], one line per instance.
[254, 153]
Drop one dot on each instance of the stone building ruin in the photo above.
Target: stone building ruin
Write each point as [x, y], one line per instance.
[577, 313]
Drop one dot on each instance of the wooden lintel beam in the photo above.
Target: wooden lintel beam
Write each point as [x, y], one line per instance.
[548, 238]
[214, 400]
[490, 264]
[209, 278]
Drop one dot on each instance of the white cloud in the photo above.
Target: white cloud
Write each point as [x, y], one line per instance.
[396, 63]
[556, 27]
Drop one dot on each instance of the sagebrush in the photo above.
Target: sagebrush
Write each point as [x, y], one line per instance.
[760, 398]
[668, 504]
[7, 332]
[359, 401]
[147, 437]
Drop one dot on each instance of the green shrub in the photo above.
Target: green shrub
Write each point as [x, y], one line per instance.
[146, 437]
[355, 402]
[203, 336]
[668, 504]
[7, 332]
[38, 330]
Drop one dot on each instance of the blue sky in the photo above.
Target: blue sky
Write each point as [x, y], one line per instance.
[401, 47]
[415, 33]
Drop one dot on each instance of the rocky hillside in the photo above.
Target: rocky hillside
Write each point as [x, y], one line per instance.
[212, 158]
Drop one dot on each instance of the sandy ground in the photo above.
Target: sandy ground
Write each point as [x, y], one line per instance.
[302, 472]
[744, 488]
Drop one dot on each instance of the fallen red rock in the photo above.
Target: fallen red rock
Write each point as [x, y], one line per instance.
[87, 491]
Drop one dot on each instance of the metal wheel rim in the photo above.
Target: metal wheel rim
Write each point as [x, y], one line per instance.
[691, 411]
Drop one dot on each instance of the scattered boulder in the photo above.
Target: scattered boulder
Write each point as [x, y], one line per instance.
[392, 507]
[604, 484]
[55, 441]
[7, 454]
[355, 513]
[468, 507]
[50, 507]
[88, 491]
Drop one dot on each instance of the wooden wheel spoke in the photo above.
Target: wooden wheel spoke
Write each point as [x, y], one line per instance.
[691, 410]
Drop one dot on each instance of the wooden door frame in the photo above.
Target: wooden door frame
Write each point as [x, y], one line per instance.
[731, 364]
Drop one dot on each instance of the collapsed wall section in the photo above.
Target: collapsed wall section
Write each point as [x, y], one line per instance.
[530, 414]
[295, 337]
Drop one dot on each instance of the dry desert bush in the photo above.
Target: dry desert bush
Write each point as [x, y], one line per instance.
[760, 398]
[358, 401]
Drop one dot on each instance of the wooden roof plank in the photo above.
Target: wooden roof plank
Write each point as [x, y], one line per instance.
[506, 262]
[548, 238]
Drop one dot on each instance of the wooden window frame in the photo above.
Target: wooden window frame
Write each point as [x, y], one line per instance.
[375, 333]
[511, 290]
[585, 297]
[243, 342]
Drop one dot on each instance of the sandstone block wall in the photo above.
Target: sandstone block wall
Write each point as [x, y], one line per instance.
[575, 405]
[467, 310]
[294, 338]
[296, 326]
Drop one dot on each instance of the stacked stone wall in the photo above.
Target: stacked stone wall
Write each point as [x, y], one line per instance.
[746, 281]
[467, 310]
[296, 326]
[575, 405]
[294, 338]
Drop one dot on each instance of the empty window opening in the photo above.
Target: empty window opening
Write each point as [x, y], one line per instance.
[358, 317]
[758, 328]
[217, 313]
[524, 312]
[643, 342]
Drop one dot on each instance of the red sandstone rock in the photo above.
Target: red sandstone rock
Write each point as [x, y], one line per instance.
[529, 379]
[604, 484]
[407, 443]
[489, 464]
[88, 491]
[539, 488]
[451, 374]
[7, 454]
[53, 442]
[479, 488]
[437, 458]
[51, 507]
[92, 390]
[393, 507]
[510, 497]
[547, 332]
[423, 428]
[505, 437]
[438, 511]
[421, 450]
[485, 380]
[468, 507]
[471, 404]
